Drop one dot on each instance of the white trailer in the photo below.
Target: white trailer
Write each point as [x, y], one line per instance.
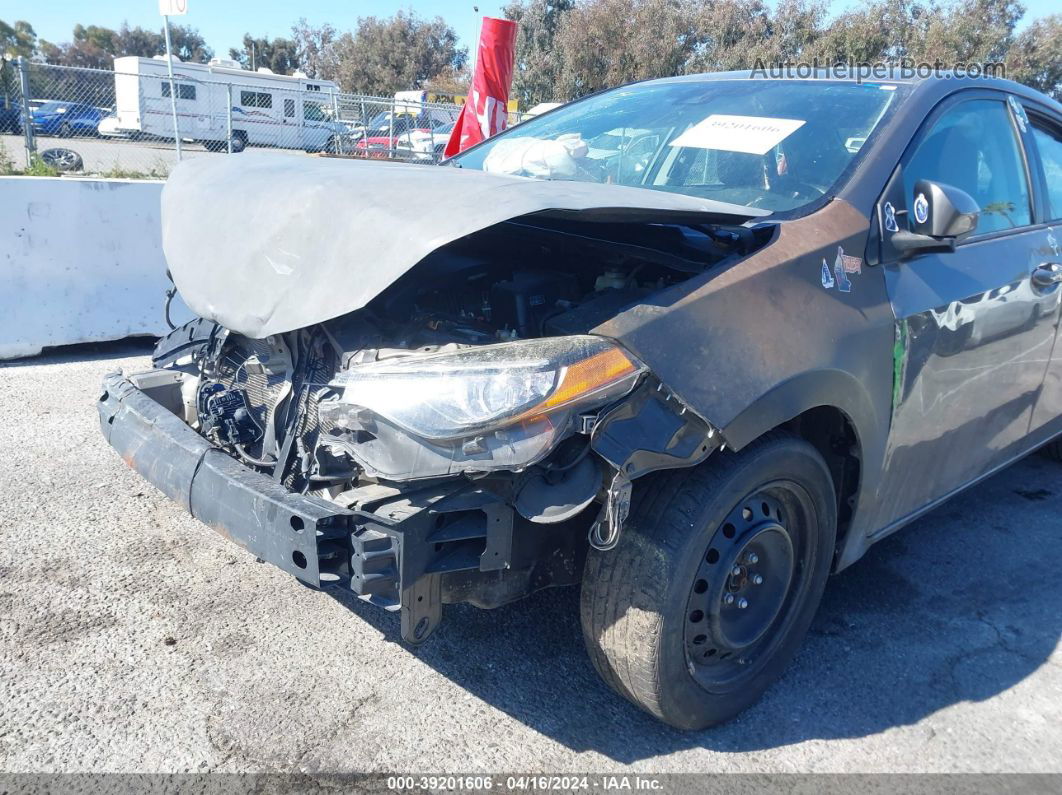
[221, 100]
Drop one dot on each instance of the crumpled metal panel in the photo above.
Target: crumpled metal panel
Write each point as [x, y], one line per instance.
[151, 440]
[266, 243]
[302, 535]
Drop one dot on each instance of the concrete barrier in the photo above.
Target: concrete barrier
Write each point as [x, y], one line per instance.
[80, 261]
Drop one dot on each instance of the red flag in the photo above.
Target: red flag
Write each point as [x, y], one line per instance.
[486, 109]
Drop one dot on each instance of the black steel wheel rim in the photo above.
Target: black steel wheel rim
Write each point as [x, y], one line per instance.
[747, 586]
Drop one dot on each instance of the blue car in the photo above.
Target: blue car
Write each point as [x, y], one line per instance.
[66, 119]
[10, 116]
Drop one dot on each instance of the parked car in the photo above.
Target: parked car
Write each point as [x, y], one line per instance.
[420, 143]
[425, 145]
[110, 127]
[378, 147]
[66, 119]
[10, 116]
[540, 108]
[694, 380]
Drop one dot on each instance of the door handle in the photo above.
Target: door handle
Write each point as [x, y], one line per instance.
[1047, 275]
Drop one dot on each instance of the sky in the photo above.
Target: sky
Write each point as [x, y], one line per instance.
[223, 22]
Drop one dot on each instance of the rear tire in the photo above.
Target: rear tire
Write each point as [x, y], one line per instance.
[239, 142]
[661, 612]
[65, 131]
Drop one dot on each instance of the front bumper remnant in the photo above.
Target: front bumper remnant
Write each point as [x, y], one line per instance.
[393, 553]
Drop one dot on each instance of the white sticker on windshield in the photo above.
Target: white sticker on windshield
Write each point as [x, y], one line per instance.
[752, 134]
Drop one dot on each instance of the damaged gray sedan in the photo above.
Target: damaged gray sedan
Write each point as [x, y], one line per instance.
[693, 344]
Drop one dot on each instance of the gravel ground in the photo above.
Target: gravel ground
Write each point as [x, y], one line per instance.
[132, 638]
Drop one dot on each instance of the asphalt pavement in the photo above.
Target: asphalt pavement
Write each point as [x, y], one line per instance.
[133, 638]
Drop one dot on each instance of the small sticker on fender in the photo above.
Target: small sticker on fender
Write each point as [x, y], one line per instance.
[848, 263]
[827, 275]
[843, 283]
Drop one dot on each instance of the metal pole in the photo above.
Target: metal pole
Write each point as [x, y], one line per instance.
[3, 79]
[475, 44]
[27, 122]
[173, 92]
[340, 137]
[228, 115]
[391, 132]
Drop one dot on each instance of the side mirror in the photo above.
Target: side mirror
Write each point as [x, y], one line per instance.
[940, 216]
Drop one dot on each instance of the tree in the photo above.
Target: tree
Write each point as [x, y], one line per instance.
[137, 41]
[93, 47]
[729, 34]
[792, 30]
[608, 42]
[97, 47]
[278, 54]
[1035, 58]
[17, 39]
[451, 81]
[315, 49]
[396, 53]
[187, 44]
[537, 61]
[968, 31]
[877, 32]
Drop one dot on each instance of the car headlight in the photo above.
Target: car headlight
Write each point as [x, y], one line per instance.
[459, 394]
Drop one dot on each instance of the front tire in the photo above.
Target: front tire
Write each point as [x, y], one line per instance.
[714, 582]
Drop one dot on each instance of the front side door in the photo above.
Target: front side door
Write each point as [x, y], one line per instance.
[292, 131]
[974, 333]
[1046, 133]
[316, 129]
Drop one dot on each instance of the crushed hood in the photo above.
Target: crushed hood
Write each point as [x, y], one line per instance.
[266, 243]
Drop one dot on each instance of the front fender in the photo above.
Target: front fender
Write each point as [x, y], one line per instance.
[818, 388]
[755, 344]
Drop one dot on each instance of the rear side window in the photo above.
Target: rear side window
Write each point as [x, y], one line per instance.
[974, 147]
[184, 90]
[256, 99]
[1050, 147]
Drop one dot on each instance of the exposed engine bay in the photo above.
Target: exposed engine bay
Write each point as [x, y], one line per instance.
[476, 367]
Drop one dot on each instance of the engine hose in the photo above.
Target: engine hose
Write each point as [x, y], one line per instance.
[250, 459]
[169, 299]
[551, 467]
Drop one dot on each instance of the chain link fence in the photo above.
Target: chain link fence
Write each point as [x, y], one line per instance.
[120, 123]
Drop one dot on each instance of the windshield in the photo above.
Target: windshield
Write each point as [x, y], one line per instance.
[774, 145]
[53, 107]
